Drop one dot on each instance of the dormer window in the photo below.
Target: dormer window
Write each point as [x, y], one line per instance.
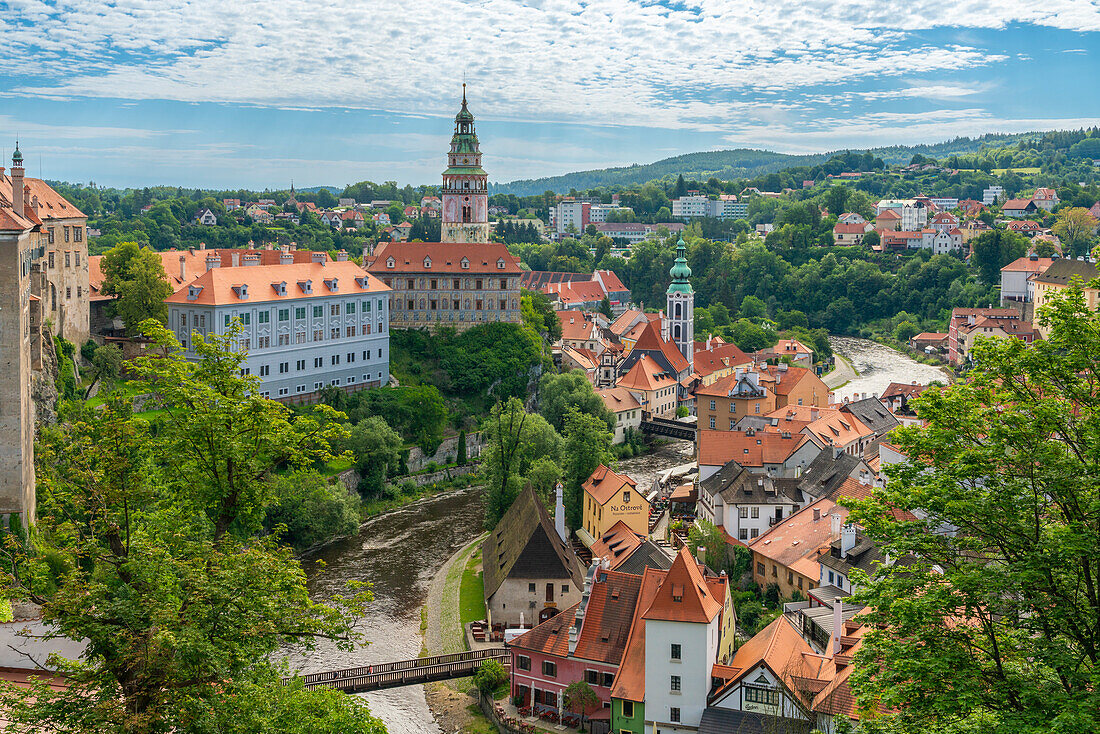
[465, 263]
[306, 286]
[241, 289]
[280, 288]
[390, 262]
[427, 262]
[193, 292]
[500, 263]
[332, 284]
[362, 282]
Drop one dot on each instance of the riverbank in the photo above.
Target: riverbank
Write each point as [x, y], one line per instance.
[842, 373]
[453, 708]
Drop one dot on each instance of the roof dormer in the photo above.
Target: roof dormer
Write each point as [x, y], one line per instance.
[427, 262]
[279, 288]
[500, 263]
[362, 281]
[390, 262]
[333, 284]
[465, 263]
[193, 292]
[306, 286]
[241, 289]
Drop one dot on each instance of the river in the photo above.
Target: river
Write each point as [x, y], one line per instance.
[399, 552]
[878, 366]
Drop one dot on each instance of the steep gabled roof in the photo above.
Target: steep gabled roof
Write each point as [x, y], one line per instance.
[684, 595]
[756, 448]
[629, 683]
[551, 637]
[646, 374]
[616, 544]
[608, 616]
[524, 544]
[604, 484]
[872, 413]
[650, 340]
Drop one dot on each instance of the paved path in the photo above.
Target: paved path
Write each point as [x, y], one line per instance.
[443, 634]
[843, 373]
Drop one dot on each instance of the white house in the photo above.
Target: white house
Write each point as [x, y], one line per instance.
[206, 218]
[627, 410]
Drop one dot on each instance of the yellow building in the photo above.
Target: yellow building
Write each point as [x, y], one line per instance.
[608, 498]
[1057, 278]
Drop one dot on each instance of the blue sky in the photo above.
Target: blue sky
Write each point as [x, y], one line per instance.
[253, 94]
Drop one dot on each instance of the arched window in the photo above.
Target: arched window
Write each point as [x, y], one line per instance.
[676, 311]
[466, 214]
[676, 330]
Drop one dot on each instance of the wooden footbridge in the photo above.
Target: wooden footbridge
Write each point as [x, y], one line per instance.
[405, 672]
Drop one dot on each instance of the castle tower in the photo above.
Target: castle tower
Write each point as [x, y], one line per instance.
[680, 312]
[465, 185]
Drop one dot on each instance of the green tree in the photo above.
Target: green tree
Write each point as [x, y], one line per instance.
[987, 619]
[308, 508]
[106, 365]
[905, 331]
[376, 449]
[560, 393]
[753, 308]
[146, 547]
[871, 239]
[135, 277]
[580, 698]
[995, 249]
[605, 307]
[707, 536]
[490, 676]
[587, 445]
[460, 452]
[1076, 228]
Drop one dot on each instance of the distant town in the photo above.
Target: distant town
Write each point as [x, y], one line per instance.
[538, 348]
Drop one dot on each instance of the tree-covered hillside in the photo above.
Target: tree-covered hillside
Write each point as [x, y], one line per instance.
[742, 163]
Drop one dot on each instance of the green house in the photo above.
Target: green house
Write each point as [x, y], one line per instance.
[627, 716]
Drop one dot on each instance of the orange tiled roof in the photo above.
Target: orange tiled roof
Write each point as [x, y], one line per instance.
[718, 357]
[605, 484]
[575, 327]
[646, 374]
[51, 205]
[607, 617]
[618, 399]
[616, 544]
[651, 340]
[718, 448]
[684, 595]
[629, 683]
[218, 283]
[800, 535]
[445, 257]
[551, 637]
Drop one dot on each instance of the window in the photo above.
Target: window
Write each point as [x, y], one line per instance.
[284, 367]
[300, 365]
[68, 293]
[755, 532]
[712, 405]
[628, 709]
[265, 370]
[227, 319]
[756, 513]
[674, 714]
[66, 239]
[263, 317]
[351, 357]
[565, 588]
[51, 254]
[336, 333]
[830, 577]
[606, 679]
[712, 423]
[743, 512]
[299, 313]
[284, 340]
[674, 683]
[336, 359]
[78, 235]
[674, 653]
[775, 571]
[592, 677]
[76, 255]
[334, 309]
[549, 669]
[523, 662]
[350, 307]
[246, 318]
[742, 534]
[366, 306]
[733, 407]
[318, 362]
[800, 582]
[318, 312]
[760, 569]
[351, 331]
[766, 696]
[626, 497]
[263, 342]
[284, 314]
[50, 230]
[531, 588]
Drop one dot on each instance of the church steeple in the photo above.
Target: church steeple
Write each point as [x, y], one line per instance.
[465, 184]
[681, 305]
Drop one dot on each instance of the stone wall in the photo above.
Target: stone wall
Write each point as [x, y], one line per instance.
[350, 478]
[446, 452]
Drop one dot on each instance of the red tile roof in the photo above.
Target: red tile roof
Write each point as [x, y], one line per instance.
[646, 374]
[618, 399]
[719, 357]
[616, 544]
[575, 327]
[604, 484]
[607, 617]
[445, 257]
[219, 284]
[684, 595]
[718, 448]
[651, 340]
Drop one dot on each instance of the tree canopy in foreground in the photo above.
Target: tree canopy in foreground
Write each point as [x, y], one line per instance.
[991, 620]
[148, 546]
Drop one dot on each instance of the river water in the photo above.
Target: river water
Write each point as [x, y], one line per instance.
[878, 366]
[399, 552]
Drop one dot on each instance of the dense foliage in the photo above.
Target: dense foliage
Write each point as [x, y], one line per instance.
[987, 619]
[148, 546]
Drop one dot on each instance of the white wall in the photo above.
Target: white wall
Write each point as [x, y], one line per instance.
[699, 646]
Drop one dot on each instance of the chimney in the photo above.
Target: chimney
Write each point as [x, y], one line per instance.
[318, 258]
[286, 258]
[236, 258]
[813, 414]
[834, 522]
[817, 514]
[213, 261]
[559, 512]
[838, 623]
[183, 268]
[342, 256]
[578, 618]
[252, 258]
[268, 246]
[202, 245]
[847, 539]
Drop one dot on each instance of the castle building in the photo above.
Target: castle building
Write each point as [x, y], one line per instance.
[60, 277]
[465, 184]
[465, 280]
[21, 247]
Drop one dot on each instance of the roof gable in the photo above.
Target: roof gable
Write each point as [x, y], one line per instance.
[684, 595]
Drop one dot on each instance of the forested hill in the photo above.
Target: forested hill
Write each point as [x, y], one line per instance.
[733, 164]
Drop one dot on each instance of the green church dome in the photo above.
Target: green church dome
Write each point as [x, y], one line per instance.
[680, 271]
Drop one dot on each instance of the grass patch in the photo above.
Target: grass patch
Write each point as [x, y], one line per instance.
[337, 466]
[471, 593]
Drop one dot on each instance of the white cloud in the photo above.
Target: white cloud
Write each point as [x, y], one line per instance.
[625, 62]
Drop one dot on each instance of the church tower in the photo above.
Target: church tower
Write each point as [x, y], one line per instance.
[680, 311]
[465, 185]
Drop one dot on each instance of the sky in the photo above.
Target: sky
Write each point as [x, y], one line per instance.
[216, 94]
